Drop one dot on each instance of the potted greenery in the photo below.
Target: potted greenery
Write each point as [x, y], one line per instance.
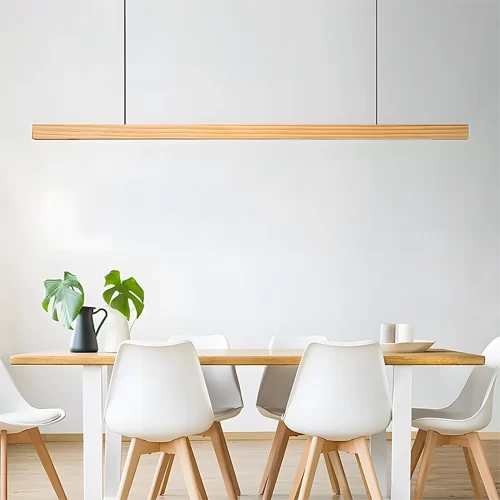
[125, 300]
[64, 299]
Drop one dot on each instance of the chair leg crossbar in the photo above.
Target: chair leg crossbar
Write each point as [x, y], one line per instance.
[33, 436]
[425, 444]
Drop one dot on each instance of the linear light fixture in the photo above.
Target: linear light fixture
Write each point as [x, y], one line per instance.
[258, 132]
[127, 131]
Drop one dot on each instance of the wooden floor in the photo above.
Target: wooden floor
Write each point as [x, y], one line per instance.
[27, 481]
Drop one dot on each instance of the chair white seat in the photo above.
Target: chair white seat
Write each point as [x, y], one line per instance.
[222, 414]
[158, 415]
[222, 381]
[340, 396]
[458, 424]
[17, 416]
[32, 417]
[226, 399]
[444, 421]
[274, 391]
[438, 413]
[274, 412]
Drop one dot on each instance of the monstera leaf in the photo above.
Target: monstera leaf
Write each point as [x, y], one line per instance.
[63, 299]
[121, 293]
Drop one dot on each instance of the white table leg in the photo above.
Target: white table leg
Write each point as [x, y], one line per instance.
[92, 432]
[113, 452]
[401, 433]
[378, 450]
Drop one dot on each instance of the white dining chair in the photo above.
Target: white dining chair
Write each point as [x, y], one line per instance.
[158, 397]
[272, 398]
[227, 402]
[21, 422]
[339, 398]
[458, 424]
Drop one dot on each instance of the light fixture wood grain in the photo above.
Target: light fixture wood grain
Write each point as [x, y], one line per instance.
[223, 132]
[247, 357]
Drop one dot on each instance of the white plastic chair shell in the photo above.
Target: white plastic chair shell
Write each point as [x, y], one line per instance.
[341, 392]
[16, 414]
[157, 392]
[277, 381]
[222, 381]
[473, 409]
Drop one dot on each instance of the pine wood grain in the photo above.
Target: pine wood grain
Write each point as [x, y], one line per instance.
[247, 357]
[237, 131]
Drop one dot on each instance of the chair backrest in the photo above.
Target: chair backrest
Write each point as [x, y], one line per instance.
[277, 381]
[340, 392]
[10, 398]
[222, 381]
[477, 395]
[157, 392]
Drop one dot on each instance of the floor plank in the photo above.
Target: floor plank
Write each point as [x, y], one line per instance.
[448, 478]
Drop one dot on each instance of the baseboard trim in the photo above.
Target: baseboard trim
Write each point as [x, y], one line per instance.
[233, 436]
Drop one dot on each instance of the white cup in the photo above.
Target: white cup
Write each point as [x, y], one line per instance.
[405, 333]
[387, 333]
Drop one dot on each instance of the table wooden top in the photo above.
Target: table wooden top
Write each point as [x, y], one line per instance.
[247, 357]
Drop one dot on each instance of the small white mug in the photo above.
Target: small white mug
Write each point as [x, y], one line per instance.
[387, 333]
[405, 333]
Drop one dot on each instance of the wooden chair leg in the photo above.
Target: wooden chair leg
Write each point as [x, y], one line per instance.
[331, 474]
[159, 476]
[294, 494]
[416, 450]
[182, 450]
[230, 465]
[47, 463]
[284, 436]
[339, 472]
[199, 481]
[133, 457]
[221, 459]
[476, 485]
[164, 483]
[270, 458]
[3, 460]
[363, 477]
[482, 464]
[269, 462]
[316, 447]
[430, 444]
[367, 467]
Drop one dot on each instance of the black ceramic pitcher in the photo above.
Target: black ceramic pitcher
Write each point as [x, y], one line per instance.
[85, 335]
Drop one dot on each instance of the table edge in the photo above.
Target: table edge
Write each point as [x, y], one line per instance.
[104, 359]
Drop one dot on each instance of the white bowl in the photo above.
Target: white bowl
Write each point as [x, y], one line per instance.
[410, 347]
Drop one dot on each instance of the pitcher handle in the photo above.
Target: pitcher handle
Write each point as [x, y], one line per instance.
[103, 320]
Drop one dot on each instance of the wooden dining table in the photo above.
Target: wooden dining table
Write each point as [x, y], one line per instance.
[101, 480]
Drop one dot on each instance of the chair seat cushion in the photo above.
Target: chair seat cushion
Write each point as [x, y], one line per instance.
[273, 412]
[221, 414]
[445, 421]
[418, 413]
[32, 417]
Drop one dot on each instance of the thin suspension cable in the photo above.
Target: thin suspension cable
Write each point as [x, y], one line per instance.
[376, 62]
[124, 62]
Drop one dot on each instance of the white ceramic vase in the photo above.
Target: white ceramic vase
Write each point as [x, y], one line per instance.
[117, 330]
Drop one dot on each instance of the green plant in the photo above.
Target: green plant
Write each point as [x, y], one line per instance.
[120, 294]
[64, 299]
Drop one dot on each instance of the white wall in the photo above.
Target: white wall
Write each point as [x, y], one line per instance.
[283, 61]
[252, 239]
